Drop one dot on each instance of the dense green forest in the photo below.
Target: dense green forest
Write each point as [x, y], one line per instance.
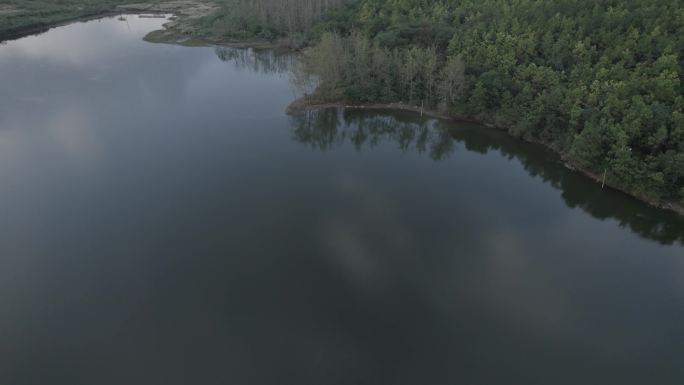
[598, 81]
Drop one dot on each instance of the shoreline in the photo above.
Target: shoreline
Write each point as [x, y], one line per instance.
[181, 10]
[168, 35]
[303, 104]
[37, 30]
[22, 32]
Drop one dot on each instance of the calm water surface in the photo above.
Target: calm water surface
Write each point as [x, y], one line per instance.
[163, 221]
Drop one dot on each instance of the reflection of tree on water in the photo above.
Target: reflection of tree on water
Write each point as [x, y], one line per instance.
[325, 129]
[265, 61]
[576, 189]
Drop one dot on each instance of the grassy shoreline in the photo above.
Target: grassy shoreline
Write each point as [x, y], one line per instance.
[304, 104]
[32, 21]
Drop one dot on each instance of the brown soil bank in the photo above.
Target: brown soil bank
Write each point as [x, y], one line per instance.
[306, 104]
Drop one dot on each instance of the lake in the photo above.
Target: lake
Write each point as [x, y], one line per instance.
[164, 221]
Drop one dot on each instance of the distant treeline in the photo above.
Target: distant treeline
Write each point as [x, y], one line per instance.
[267, 19]
[598, 81]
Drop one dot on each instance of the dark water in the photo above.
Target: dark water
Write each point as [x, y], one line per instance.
[162, 221]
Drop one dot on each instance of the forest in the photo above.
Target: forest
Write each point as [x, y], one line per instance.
[597, 81]
[289, 21]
